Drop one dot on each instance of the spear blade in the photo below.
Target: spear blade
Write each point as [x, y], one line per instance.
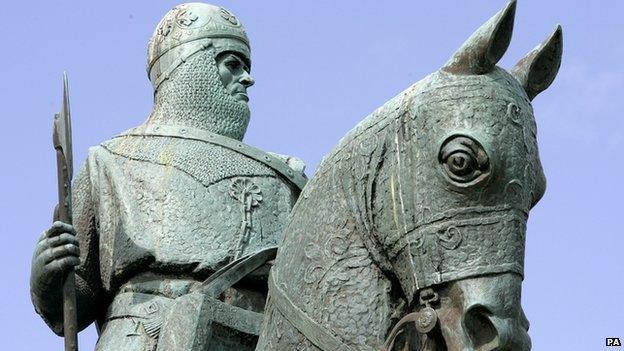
[62, 140]
[66, 118]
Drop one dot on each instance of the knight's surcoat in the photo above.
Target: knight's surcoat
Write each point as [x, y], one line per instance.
[178, 201]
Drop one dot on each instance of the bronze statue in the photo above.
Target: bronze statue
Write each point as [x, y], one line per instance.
[166, 215]
[410, 236]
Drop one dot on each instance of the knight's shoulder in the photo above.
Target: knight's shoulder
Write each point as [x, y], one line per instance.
[105, 147]
[104, 144]
[113, 147]
[295, 163]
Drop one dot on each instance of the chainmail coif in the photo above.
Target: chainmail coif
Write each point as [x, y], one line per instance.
[195, 97]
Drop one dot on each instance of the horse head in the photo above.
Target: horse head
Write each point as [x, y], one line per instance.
[457, 199]
[413, 228]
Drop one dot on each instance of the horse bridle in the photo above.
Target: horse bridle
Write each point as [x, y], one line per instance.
[425, 319]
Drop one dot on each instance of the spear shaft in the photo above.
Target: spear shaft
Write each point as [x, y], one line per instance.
[64, 164]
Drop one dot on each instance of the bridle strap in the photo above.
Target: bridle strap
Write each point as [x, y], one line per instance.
[398, 328]
[424, 320]
[316, 333]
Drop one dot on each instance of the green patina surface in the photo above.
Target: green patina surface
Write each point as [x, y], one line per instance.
[410, 235]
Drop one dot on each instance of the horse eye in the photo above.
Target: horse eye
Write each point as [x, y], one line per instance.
[463, 159]
[460, 163]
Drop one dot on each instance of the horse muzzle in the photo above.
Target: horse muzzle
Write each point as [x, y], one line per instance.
[480, 314]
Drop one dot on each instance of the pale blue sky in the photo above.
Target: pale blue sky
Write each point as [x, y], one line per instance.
[320, 67]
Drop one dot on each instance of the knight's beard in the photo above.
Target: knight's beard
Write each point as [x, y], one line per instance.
[195, 97]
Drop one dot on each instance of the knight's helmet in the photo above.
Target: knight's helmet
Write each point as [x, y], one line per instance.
[181, 64]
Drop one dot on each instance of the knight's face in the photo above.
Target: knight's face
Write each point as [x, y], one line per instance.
[234, 74]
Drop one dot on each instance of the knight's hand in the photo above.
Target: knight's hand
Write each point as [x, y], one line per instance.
[56, 254]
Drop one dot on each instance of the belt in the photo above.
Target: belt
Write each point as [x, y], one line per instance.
[198, 309]
[178, 312]
[171, 288]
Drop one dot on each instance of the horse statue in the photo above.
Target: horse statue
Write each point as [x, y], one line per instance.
[411, 234]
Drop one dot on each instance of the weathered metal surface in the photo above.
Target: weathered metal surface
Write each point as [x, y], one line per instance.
[424, 207]
[160, 208]
[188, 323]
[410, 236]
[62, 140]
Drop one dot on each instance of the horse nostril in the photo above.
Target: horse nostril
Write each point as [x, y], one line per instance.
[480, 329]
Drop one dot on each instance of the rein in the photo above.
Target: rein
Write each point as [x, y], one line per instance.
[425, 320]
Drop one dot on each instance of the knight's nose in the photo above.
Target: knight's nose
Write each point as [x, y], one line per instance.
[247, 80]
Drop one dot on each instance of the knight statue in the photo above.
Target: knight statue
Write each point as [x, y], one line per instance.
[169, 217]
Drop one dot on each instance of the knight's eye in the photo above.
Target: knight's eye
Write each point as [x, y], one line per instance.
[233, 64]
[464, 160]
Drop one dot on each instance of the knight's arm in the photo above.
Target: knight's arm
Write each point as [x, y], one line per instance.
[88, 287]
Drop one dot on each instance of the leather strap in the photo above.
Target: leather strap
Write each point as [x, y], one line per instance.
[313, 331]
[398, 329]
[246, 321]
[206, 294]
[188, 323]
[297, 179]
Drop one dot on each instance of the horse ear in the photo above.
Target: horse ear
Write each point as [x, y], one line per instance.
[537, 70]
[480, 53]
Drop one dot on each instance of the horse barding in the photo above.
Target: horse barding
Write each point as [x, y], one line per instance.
[411, 234]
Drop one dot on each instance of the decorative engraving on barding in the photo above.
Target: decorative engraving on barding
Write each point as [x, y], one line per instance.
[450, 238]
[314, 272]
[250, 196]
[513, 112]
[516, 194]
